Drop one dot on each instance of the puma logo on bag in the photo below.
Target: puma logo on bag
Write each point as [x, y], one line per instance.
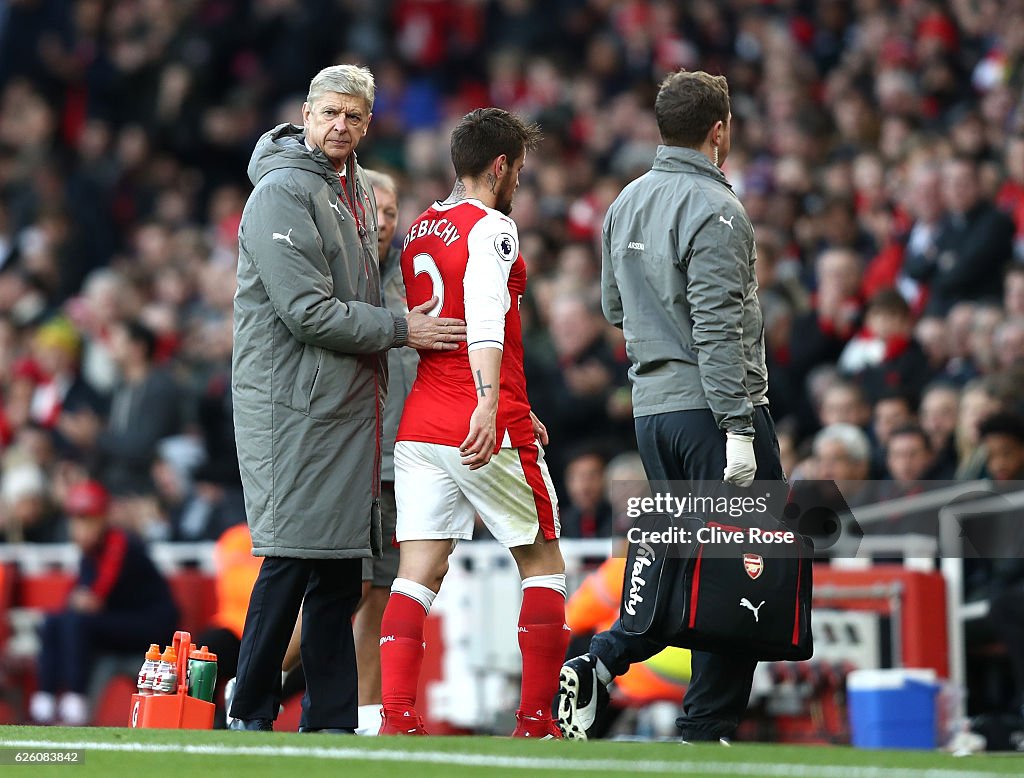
[750, 606]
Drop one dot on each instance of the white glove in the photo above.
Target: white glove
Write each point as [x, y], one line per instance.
[740, 465]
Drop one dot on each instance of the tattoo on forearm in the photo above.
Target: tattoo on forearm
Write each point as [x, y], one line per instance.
[480, 385]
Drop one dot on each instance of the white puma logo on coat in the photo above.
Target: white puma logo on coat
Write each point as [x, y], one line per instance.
[279, 236]
[729, 223]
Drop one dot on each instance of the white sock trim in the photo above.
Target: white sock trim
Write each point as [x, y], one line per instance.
[418, 592]
[554, 581]
[369, 719]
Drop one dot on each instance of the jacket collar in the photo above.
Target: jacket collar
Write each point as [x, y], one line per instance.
[331, 174]
[679, 159]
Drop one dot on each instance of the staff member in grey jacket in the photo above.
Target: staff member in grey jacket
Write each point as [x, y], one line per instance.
[309, 378]
[678, 277]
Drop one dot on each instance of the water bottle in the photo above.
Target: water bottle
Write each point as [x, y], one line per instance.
[202, 674]
[147, 673]
[166, 681]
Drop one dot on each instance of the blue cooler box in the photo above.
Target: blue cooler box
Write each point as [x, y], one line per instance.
[893, 708]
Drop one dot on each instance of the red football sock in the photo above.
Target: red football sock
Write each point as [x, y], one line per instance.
[401, 652]
[543, 639]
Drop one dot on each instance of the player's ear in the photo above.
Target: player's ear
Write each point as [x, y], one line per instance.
[366, 126]
[717, 130]
[500, 166]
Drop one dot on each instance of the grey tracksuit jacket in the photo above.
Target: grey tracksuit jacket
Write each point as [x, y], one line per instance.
[309, 365]
[677, 275]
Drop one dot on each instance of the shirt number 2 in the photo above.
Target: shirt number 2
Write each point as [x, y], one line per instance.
[424, 263]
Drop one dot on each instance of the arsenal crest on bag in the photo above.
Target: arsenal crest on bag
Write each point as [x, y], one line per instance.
[711, 587]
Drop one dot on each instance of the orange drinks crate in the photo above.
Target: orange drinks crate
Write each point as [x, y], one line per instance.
[173, 711]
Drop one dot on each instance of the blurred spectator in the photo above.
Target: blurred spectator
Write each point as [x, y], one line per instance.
[120, 603]
[974, 242]
[1002, 435]
[1011, 194]
[933, 335]
[588, 514]
[883, 355]
[55, 392]
[940, 406]
[572, 398]
[193, 502]
[788, 451]
[1013, 291]
[977, 402]
[143, 411]
[1008, 344]
[892, 411]
[961, 366]
[924, 203]
[908, 457]
[844, 403]
[842, 453]
[981, 341]
[95, 312]
[820, 335]
[27, 511]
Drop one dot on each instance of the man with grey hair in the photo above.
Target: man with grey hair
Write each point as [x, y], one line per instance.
[309, 379]
[842, 453]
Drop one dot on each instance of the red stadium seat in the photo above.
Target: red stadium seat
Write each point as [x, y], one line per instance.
[8, 714]
[196, 596]
[44, 591]
[114, 702]
[6, 602]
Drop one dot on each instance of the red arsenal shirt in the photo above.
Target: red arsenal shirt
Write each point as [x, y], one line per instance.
[467, 255]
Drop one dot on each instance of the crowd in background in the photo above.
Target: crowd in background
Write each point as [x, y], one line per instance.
[878, 148]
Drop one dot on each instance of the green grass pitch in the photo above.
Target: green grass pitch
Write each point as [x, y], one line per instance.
[125, 753]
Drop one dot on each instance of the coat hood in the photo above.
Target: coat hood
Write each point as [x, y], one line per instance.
[285, 147]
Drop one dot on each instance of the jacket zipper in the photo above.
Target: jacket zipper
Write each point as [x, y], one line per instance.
[376, 407]
[378, 427]
[379, 432]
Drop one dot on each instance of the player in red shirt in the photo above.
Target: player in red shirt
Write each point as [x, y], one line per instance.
[468, 443]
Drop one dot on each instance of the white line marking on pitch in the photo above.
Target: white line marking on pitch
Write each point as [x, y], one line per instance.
[554, 762]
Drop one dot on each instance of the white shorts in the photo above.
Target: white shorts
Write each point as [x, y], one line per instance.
[439, 497]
